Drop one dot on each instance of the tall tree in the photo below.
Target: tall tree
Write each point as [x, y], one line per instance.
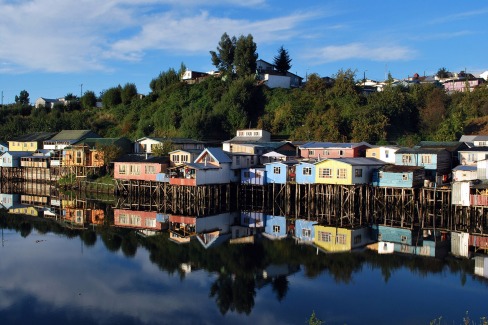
[22, 98]
[282, 61]
[223, 59]
[88, 100]
[245, 56]
[128, 93]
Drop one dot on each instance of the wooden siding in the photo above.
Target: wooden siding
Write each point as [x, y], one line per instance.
[478, 241]
[138, 171]
[253, 176]
[301, 178]
[398, 179]
[275, 226]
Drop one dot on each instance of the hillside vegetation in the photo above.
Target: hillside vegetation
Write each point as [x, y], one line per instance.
[216, 107]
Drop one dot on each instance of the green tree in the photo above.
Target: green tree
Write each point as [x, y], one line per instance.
[112, 97]
[165, 79]
[223, 59]
[88, 100]
[443, 73]
[282, 61]
[128, 93]
[109, 153]
[162, 149]
[245, 56]
[22, 98]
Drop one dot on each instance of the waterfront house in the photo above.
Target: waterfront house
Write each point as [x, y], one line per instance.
[280, 172]
[305, 172]
[453, 147]
[182, 156]
[384, 153]
[326, 150]
[13, 158]
[470, 156]
[212, 166]
[436, 162]
[148, 144]
[407, 236]
[346, 171]
[3, 147]
[29, 142]
[340, 239]
[399, 176]
[275, 227]
[253, 176]
[140, 220]
[304, 230]
[66, 138]
[8, 200]
[137, 167]
[464, 173]
[250, 223]
[182, 228]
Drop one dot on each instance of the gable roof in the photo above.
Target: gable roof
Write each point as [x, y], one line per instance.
[448, 145]
[434, 151]
[217, 153]
[332, 145]
[358, 161]
[74, 135]
[173, 140]
[31, 137]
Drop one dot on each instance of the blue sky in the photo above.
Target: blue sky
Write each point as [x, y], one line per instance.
[52, 47]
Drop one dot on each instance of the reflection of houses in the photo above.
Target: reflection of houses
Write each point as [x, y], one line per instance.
[339, 239]
[137, 167]
[207, 228]
[481, 265]
[212, 166]
[326, 150]
[304, 230]
[8, 200]
[250, 224]
[275, 227]
[24, 209]
[78, 215]
[346, 171]
[460, 244]
[141, 220]
[399, 176]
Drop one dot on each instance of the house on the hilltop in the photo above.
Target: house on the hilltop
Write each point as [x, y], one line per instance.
[273, 79]
[48, 102]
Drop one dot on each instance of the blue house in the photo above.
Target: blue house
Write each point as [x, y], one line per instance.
[436, 162]
[399, 176]
[280, 172]
[404, 236]
[304, 231]
[305, 172]
[253, 176]
[275, 227]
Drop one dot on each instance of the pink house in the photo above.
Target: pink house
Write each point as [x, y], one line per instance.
[325, 150]
[135, 167]
[149, 220]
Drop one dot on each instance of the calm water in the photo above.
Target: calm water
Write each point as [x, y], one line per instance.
[105, 275]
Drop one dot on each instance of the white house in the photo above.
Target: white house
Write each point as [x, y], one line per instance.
[384, 153]
[12, 158]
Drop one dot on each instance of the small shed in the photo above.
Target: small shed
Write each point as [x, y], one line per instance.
[464, 173]
[460, 193]
[399, 176]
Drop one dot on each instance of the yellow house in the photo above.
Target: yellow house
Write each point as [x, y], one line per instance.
[29, 142]
[179, 157]
[346, 171]
[337, 239]
[24, 209]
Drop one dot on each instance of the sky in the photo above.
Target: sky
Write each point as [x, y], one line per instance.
[54, 47]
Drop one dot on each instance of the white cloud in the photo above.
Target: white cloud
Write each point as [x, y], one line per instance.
[334, 53]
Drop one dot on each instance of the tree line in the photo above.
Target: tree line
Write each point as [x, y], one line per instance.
[217, 106]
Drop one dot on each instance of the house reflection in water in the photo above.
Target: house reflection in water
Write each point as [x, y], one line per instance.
[145, 222]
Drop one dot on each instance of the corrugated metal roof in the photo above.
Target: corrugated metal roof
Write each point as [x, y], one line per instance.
[360, 161]
[400, 169]
[465, 168]
[219, 155]
[67, 135]
[330, 145]
[420, 150]
[37, 136]
[173, 140]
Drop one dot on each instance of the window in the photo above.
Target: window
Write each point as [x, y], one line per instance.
[247, 174]
[426, 159]
[184, 158]
[373, 154]
[307, 171]
[341, 153]
[150, 223]
[122, 169]
[311, 152]
[306, 233]
[176, 158]
[241, 133]
[135, 220]
[324, 236]
[358, 172]
[405, 177]
[325, 173]
[238, 160]
[123, 219]
[406, 159]
[357, 239]
[256, 133]
[78, 157]
[387, 153]
[150, 169]
[276, 229]
[341, 239]
[248, 133]
[403, 239]
[134, 170]
[341, 173]
[276, 170]
[326, 152]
